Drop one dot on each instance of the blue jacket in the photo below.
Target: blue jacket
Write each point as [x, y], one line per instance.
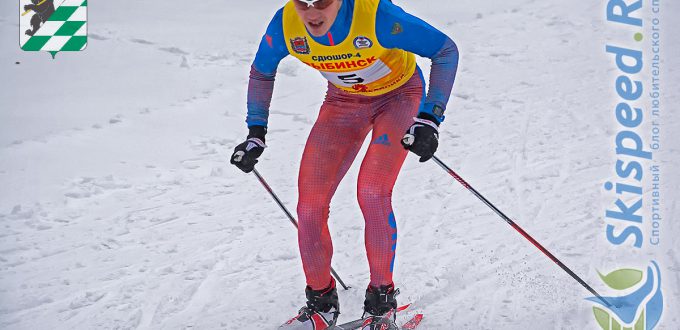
[395, 28]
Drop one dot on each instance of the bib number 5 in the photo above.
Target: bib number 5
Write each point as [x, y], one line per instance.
[365, 76]
[351, 79]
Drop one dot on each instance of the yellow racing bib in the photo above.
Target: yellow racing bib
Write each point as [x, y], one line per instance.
[358, 64]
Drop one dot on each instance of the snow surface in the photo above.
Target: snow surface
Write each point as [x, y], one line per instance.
[119, 210]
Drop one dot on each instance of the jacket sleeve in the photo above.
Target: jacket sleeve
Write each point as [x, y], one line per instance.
[271, 51]
[396, 28]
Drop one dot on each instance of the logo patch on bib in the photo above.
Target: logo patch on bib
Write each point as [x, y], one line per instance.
[300, 45]
[361, 42]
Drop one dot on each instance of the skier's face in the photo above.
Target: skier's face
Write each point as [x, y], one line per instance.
[320, 17]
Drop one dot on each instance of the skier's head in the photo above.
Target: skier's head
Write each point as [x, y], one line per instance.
[318, 15]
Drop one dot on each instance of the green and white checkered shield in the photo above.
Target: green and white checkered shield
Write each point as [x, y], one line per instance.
[64, 30]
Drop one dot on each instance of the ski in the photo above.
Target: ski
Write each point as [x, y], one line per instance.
[413, 322]
[349, 325]
[358, 323]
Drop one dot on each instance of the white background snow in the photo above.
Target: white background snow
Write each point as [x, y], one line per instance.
[119, 210]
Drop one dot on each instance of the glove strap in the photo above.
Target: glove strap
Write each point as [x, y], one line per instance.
[254, 142]
[426, 122]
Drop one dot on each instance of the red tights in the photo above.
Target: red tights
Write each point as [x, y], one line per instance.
[343, 123]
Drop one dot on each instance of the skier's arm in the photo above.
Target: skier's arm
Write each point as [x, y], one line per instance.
[397, 29]
[263, 72]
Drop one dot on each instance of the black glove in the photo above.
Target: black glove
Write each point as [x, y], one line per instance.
[422, 138]
[245, 154]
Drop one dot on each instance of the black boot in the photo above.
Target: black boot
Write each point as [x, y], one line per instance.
[381, 306]
[321, 312]
[323, 300]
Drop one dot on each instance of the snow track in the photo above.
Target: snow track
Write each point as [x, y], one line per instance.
[119, 210]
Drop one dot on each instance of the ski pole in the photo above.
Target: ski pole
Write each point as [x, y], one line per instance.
[521, 231]
[291, 218]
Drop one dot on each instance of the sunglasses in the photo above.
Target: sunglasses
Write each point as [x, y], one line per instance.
[316, 4]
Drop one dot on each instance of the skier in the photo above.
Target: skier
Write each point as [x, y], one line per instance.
[365, 49]
[43, 10]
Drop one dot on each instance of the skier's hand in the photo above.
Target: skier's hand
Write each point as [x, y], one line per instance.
[422, 138]
[245, 154]
[28, 7]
